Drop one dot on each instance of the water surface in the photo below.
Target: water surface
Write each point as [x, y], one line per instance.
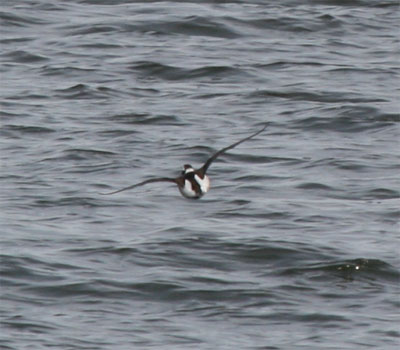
[296, 246]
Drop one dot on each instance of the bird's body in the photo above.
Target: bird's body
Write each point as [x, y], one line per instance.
[194, 184]
[191, 183]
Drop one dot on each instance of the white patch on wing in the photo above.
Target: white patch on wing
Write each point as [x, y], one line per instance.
[203, 183]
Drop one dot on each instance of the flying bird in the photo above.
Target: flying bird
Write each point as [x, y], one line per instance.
[191, 183]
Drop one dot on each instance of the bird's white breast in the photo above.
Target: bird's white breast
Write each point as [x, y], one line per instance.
[187, 190]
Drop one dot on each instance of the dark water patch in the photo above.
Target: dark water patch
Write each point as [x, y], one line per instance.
[87, 202]
[13, 19]
[320, 190]
[244, 213]
[357, 269]
[323, 319]
[277, 254]
[211, 95]
[348, 119]
[20, 324]
[360, 118]
[103, 46]
[103, 250]
[202, 26]
[7, 41]
[351, 165]
[77, 290]
[79, 157]
[393, 334]
[66, 71]
[86, 154]
[12, 177]
[251, 252]
[48, 7]
[17, 107]
[143, 92]
[23, 269]
[104, 2]
[211, 281]
[392, 216]
[382, 193]
[357, 3]
[84, 91]
[316, 219]
[231, 295]
[28, 96]
[93, 290]
[145, 119]
[203, 152]
[346, 71]
[258, 159]
[360, 194]
[286, 24]
[21, 56]
[159, 291]
[165, 252]
[215, 72]
[190, 26]
[284, 64]
[327, 97]
[315, 186]
[200, 150]
[91, 29]
[367, 269]
[89, 169]
[167, 72]
[254, 179]
[389, 117]
[193, 290]
[20, 131]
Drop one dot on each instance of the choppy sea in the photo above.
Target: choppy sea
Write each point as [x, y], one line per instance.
[296, 246]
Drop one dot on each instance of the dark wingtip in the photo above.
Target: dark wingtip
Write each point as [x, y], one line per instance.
[106, 193]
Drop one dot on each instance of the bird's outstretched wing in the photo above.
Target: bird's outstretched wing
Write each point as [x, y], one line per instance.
[206, 165]
[158, 179]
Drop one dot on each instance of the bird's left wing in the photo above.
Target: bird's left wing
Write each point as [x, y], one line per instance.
[158, 179]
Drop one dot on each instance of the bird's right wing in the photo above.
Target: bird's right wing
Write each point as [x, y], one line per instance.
[206, 165]
[158, 179]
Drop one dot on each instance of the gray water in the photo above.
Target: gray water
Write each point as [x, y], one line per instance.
[296, 246]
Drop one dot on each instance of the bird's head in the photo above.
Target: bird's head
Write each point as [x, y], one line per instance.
[187, 168]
